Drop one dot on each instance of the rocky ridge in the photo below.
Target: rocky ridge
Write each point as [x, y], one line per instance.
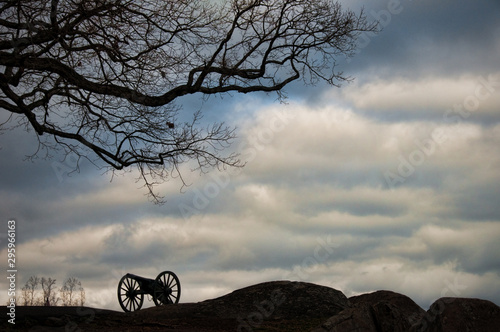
[275, 306]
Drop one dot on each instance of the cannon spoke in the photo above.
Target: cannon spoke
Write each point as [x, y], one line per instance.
[129, 294]
[167, 289]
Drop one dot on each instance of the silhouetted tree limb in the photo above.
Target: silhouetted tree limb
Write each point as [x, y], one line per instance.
[102, 76]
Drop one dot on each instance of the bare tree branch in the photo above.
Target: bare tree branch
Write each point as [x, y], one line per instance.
[100, 78]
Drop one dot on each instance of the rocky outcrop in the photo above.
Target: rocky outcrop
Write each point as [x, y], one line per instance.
[388, 311]
[278, 300]
[378, 312]
[460, 314]
[275, 306]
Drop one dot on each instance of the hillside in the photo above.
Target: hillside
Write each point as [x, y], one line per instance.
[274, 306]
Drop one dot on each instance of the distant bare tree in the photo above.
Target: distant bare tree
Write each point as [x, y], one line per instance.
[70, 290]
[48, 287]
[28, 294]
[71, 293]
[102, 78]
[82, 296]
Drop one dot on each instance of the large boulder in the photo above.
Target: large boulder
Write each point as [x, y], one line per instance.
[460, 314]
[278, 300]
[378, 312]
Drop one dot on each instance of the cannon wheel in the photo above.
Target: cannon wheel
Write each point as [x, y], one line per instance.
[167, 289]
[128, 294]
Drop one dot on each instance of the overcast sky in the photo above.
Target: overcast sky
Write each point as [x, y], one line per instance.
[390, 182]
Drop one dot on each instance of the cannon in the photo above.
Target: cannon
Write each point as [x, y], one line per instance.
[165, 289]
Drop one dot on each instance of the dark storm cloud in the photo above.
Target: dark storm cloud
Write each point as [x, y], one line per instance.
[479, 202]
[418, 40]
[428, 38]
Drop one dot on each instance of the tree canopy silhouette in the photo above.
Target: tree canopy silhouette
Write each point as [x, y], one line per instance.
[102, 78]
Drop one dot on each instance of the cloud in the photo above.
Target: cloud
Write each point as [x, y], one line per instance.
[314, 175]
[382, 184]
[422, 38]
[352, 263]
[445, 99]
